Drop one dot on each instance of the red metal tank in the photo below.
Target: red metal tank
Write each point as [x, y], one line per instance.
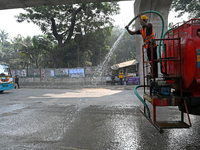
[183, 56]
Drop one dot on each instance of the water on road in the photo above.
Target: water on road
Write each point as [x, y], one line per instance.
[86, 119]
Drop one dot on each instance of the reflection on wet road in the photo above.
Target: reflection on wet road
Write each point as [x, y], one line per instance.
[86, 119]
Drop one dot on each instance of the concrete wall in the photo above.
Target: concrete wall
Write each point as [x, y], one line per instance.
[61, 77]
[161, 6]
[60, 82]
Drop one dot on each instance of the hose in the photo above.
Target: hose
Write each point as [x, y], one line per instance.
[145, 105]
[163, 41]
[161, 35]
[159, 52]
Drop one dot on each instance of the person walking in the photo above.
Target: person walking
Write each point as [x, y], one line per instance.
[16, 82]
[112, 79]
[148, 37]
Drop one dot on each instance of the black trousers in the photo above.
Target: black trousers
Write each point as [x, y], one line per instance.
[17, 85]
[155, 64]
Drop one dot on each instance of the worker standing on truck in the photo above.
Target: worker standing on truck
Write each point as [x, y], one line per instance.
[121, 76]
[148, 36]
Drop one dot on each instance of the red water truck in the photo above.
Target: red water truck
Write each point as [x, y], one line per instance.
[183, 67]
[179, 84]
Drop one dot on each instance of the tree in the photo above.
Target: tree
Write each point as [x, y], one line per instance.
[89, 49]
[36, 54]
[97, 43]
[65, 21]
[6, 50]
[187, 6]
[3, 36]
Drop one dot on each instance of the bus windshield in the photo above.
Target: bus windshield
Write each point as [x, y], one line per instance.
[4, 71]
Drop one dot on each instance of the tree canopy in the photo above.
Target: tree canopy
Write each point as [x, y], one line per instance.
[66, 20]
[69, 26]
[192, 7]
[37, 52]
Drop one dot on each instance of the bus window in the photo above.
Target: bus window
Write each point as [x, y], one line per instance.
[4, 71]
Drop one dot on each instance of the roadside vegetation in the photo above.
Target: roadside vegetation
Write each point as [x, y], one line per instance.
[75, 35]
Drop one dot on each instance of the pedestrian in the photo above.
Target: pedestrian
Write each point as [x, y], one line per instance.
[121, 76]
[148, 37]
[16, 82]
[112, 79]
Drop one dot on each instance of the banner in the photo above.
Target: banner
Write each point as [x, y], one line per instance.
[79, 72]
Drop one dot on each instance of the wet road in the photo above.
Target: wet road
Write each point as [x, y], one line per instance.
[86, 119]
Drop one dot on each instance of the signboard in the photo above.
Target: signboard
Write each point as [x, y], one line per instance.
[198, 58]
[133, 81]
[42, 72]
[21, 73]
[62, 72]
[33, 73]
[52, 73]
[79, 72]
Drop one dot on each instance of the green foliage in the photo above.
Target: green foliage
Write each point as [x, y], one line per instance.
[86, 50]
[3, 36]
[97, 43]
[77, 35]
[90, 17]
[83, 50]
[187, 6]
[64, 23]
[7, 52]
[37, 54]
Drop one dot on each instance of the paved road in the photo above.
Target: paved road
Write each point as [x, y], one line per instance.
[86, 119]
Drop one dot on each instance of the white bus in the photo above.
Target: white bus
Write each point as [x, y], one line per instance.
[6, 80]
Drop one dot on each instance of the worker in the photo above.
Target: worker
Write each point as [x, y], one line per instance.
[121, 76]
[148, 36]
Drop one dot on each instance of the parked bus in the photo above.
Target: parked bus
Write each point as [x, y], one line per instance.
[6, 80]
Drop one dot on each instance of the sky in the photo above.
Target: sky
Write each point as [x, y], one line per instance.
[13, 28]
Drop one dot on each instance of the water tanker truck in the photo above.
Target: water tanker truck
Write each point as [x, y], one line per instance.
[179, 82]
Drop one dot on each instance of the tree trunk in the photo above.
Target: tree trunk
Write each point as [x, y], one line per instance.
[59, 37]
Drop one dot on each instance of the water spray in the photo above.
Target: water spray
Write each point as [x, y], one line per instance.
[100, 68]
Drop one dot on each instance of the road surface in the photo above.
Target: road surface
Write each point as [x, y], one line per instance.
[86, 119]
